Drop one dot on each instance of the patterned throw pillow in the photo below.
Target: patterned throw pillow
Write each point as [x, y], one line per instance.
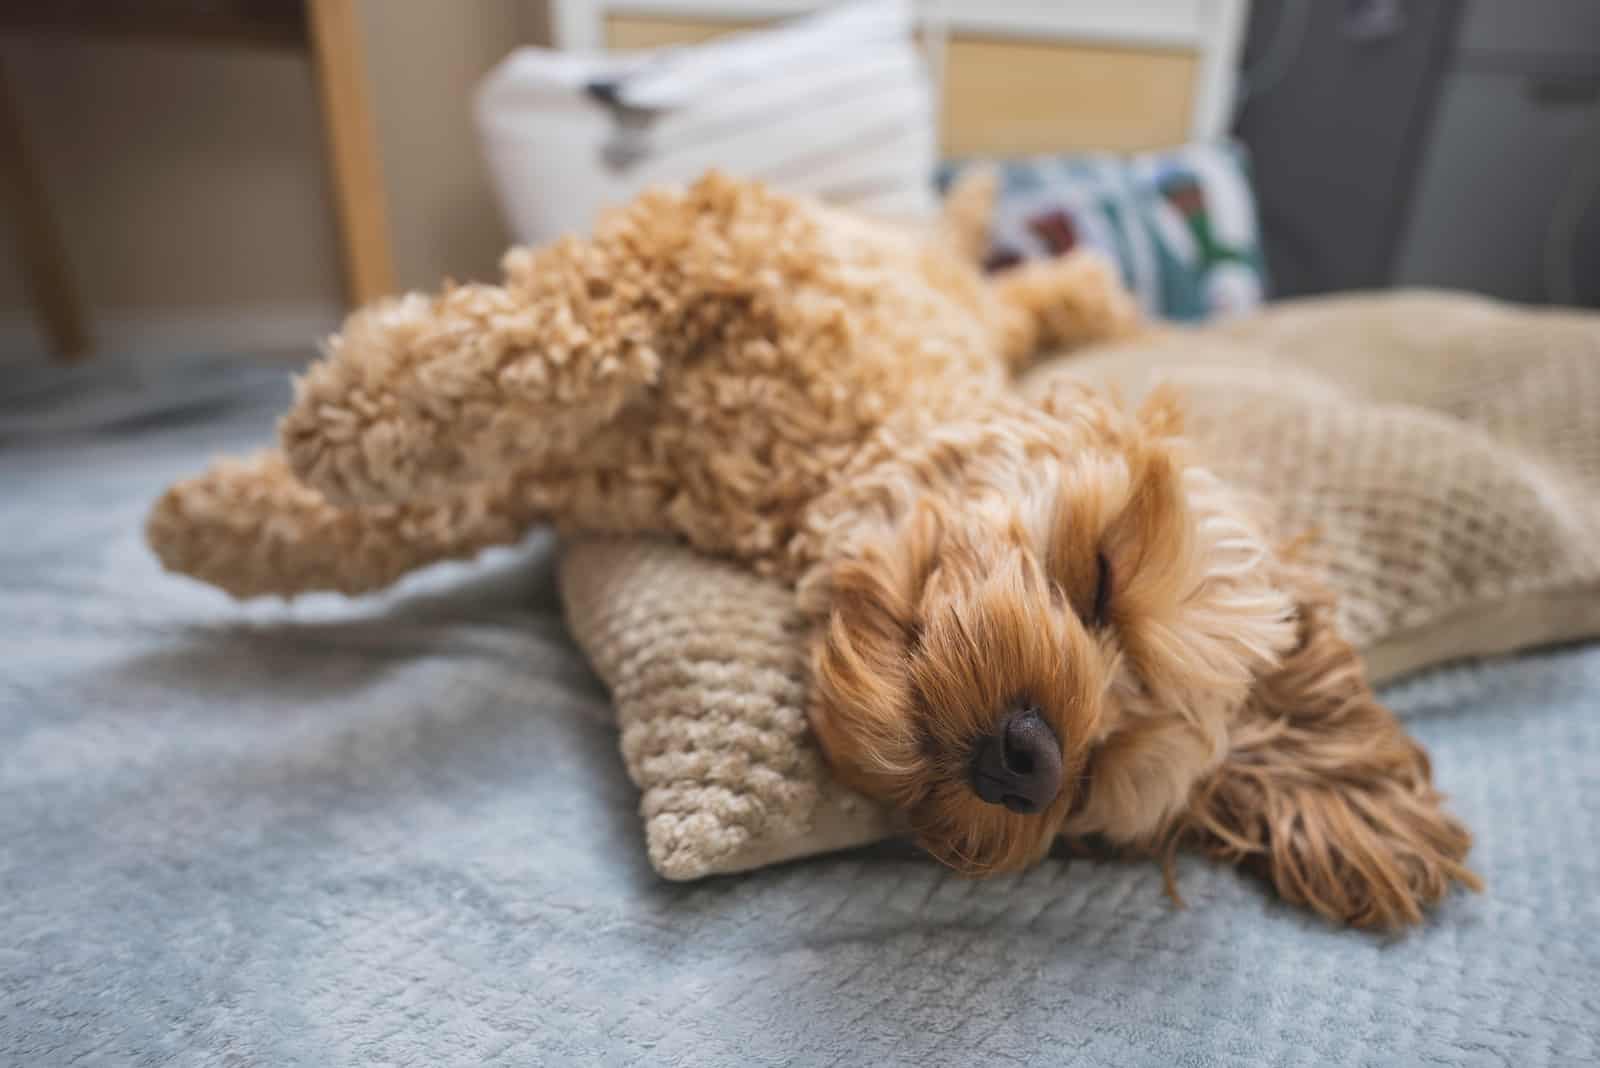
[1181, 223]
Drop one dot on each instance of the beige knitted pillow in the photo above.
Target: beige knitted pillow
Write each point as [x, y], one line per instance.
[1445, 450]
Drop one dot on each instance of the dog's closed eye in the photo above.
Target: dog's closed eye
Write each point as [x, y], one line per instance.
[1103, 588]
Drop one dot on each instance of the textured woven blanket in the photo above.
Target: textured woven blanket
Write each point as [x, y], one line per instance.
[1443, 452]
[396, 832]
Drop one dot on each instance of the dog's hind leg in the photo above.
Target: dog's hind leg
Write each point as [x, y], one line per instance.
[419, 396]
[249, 527]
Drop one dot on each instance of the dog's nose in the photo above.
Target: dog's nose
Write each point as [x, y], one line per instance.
[1019, 765]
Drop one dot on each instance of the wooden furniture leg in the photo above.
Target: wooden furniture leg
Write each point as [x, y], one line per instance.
[44, 257]
[340, 57]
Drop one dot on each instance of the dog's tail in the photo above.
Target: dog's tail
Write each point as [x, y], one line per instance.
[968, 212]
[1050, 306]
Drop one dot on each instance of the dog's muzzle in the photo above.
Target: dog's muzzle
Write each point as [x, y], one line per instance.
[1019, 765]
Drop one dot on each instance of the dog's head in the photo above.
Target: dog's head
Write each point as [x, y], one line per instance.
[1014, 603]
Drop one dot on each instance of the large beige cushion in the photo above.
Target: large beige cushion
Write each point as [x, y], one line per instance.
[1444, 450]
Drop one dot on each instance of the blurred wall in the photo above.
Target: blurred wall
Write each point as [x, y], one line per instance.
[425, 59]
[191, 187]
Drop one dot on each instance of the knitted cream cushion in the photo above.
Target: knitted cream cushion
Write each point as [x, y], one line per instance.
[1444, 449]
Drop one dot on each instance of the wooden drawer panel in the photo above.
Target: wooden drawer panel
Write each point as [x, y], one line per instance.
[630, 33]
[1013, 97]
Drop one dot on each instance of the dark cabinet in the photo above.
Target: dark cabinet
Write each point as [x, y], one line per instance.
[1427, 142]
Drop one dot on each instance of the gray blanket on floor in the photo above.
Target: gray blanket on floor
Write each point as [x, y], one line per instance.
[398, 832]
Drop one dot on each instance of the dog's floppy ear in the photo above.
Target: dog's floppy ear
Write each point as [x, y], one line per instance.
[865, 605]
[1325, 794]
[1158, 413]
[1161, 411]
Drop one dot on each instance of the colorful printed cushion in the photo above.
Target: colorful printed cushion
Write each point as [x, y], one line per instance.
[1181, 223]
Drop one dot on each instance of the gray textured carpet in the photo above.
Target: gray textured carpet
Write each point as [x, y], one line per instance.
[399, 833]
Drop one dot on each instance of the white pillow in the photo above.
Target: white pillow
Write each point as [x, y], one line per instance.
[836, 105]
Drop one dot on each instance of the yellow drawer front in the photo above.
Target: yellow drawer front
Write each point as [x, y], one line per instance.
[631, 33]
[1010, 97]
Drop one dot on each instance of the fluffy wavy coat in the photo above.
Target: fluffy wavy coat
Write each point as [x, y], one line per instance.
[827, 399]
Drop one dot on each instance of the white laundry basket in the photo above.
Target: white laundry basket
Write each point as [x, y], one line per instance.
[837, 105]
